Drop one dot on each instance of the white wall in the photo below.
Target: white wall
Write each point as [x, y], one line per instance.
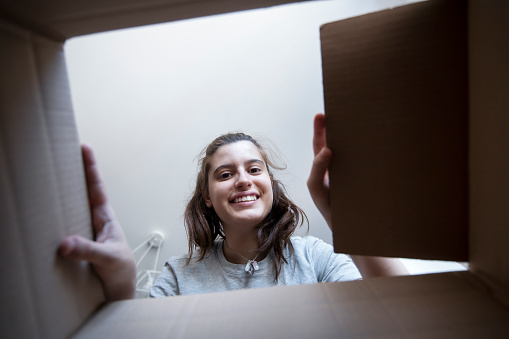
[149, 99]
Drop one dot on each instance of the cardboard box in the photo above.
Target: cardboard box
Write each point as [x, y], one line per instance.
[43, 195]
[396, 102]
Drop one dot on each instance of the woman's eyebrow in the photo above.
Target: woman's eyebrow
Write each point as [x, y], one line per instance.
[231, 165]
[255, 160]
[221, 167]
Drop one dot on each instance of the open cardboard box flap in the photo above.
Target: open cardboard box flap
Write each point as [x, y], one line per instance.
[416, 127]
[61, 19]
[448, 305]
[396, 103]
[427, 143]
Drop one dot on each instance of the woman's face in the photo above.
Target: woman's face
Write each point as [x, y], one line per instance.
[240, 188]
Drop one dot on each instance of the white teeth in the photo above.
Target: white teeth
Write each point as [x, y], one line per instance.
[246, 198]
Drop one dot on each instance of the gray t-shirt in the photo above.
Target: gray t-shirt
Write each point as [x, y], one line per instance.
[314, 261]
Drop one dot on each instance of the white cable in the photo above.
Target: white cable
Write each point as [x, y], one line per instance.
[157, 257]
[155, 240]
[142, 277]
[143, 243]
[143, 256]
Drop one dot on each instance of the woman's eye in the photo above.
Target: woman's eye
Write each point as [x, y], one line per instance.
[225, 175]
[255, 170]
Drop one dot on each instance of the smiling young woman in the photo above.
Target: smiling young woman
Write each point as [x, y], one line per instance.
[233, 168]
[240, 223]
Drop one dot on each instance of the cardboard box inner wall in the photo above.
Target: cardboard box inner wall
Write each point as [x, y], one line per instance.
[43, 198]
[43, 192]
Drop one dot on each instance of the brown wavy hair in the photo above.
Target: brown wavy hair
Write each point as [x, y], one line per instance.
[203, 226]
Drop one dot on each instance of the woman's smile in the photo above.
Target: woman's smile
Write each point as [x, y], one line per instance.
[239, 198]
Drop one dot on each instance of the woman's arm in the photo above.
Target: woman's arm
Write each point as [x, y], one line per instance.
[318, 185]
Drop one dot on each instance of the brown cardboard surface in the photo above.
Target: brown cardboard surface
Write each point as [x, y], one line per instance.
[43, 195]
[396, 104]
[450, 305]
[65, 19]
[489, 141]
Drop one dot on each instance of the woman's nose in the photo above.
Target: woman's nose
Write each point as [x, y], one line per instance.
[243, 180]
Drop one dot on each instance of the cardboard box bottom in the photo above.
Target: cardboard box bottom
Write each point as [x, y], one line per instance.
[446, 305]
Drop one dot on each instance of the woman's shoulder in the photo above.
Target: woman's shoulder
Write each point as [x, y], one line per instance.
[310, 246]
[306, 241]
[181, 260]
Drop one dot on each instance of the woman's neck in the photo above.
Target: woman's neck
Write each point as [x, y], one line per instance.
[238, 249]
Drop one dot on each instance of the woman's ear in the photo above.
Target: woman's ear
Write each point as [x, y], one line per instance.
[206, 197]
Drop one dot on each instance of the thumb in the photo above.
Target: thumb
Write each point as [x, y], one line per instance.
[80, 248]
[321, 163]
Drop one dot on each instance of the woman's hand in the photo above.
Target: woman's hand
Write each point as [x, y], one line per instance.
[318, 182]
[318, 185]
[109, 254]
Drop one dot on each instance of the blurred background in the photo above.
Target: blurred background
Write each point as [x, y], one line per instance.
[149, 99]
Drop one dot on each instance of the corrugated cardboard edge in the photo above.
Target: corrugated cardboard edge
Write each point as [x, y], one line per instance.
[489, 143]
[63, 19]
